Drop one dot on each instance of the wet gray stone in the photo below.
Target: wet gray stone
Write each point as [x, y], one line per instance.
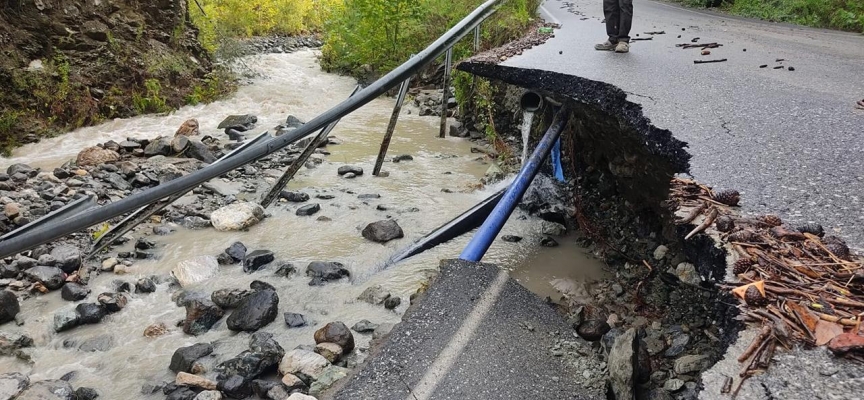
[67, 258]
[65, 320]
[48, 390]
[295, 320]
[9, 306]
[229, 298]
[324, 271]
[90, 313]
[364, 326]
[383, 231]
[12, 384]
[691, 363]
[74, 292]
[622, 365]
[592, 330]
[257, 259]
[254, 312]
[346, 169]
[97, 343]
[309, 209]
[51, 277]
[184, 357]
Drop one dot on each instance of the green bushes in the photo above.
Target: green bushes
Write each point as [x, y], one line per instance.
[378, 35]
[847, 15]
[240, 18]
[837, 14]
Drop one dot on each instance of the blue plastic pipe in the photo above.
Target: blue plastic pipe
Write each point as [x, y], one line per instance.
[557, 170]
[481, 241]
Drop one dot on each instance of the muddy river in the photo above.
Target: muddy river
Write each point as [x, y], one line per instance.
[288, 84]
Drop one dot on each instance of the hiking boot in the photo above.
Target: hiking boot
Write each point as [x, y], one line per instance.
[622, 47]
[605, 46]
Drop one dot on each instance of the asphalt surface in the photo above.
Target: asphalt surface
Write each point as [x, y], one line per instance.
[476, 334]
[791, 142]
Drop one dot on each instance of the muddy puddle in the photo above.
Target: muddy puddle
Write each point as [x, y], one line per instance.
[414, 194]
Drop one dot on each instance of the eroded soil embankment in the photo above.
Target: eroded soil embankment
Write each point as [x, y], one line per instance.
[618, 169]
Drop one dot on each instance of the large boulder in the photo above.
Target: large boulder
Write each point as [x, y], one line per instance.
[305, 362]
[255, 311]
[48, 390]
[201, 315]
[195, 270]
[383, 231]
[622, 365]
[9, 306]
[184, 357]
[336, 332]
[68, 258]
[12, 384]
[200, 152]
[237, 216]
[52, 277]
[230, 298]
[96, 156]
[264, 353]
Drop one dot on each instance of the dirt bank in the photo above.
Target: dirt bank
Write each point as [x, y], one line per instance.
[68, 65]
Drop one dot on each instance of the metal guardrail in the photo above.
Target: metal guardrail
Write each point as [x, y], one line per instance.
[53, 230]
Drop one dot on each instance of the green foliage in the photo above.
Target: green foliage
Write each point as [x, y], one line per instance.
[151, 101]
[215, 85]
[845, 15]
[8, 139]
[378, 35]
[242, 18]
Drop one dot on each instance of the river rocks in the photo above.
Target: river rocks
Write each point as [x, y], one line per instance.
[392, 303]
[235, 387]
[12, 210]
[211, 395]
[229, 298]
[143, 285]
[200, 152]
[9, 306]
[257, 259]
[383, 231]
[201, 315]
[255, 311]
[331, 351]
[52, 277]
[328, 377]
[65, 320]
[336, 332]
[113, 302]
[364, 326]
[195, 270]
[294, 320]
[237, 216]
[237, 251]
[90, 313]
[374, 295]
[264, 353]
[48, 390]
[350, 169]
[184, 357]
[97, 343]
[300, 396]
[10, 271]
[187, 379]
[511, 238]
[95, 156]
[309, 209]
[325, 271]
[622, 365]
[303, 361]
[691, 364]
[294, 197]
[285, 269]
[86, 393]
[179, 144]
[553, 228]
[673, 385]
[686, 272]
[158, 147]
[678, 345]
[403, 157]
[593, 330]
[155, 330]
[12, 384]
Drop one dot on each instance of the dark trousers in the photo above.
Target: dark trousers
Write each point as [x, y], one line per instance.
[619, 17]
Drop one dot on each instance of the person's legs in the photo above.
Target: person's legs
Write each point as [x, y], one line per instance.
[612, 11]
[625, 20]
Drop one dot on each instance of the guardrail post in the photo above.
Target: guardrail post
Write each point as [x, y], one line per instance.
[446, 96]
[477, 39]
[403, 90]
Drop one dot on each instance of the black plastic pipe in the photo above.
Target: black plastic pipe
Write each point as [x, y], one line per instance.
[79, 222]
[458, 226]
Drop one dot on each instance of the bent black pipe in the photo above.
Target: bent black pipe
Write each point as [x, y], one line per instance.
[183, 184]
[458, 226]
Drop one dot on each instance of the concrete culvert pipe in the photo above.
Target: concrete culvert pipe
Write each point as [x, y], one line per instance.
[531, 101]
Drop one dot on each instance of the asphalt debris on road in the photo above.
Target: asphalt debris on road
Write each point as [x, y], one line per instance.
[709, 61]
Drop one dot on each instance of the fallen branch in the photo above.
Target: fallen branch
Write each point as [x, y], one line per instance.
[704, 225]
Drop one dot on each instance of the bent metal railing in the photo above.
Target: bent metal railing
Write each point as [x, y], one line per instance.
[47, 231]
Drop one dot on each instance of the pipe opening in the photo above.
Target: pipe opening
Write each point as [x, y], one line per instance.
[531, 101]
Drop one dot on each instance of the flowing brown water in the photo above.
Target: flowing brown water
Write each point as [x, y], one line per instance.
[292, 84]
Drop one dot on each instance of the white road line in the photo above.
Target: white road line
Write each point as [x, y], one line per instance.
[438, 370]
[552, 18]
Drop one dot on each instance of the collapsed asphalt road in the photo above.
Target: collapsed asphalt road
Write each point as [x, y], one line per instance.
[789, 140]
